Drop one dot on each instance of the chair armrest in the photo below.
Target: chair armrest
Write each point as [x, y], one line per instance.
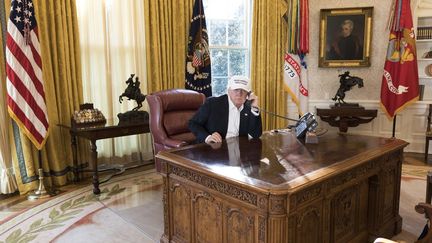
[172, 143]
[425, 208]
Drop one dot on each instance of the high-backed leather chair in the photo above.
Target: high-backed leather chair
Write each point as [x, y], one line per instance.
[170, 111]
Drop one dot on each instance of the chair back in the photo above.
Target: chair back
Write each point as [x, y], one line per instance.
[170, 111]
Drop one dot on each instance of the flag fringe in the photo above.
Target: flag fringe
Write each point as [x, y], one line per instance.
[24, 129]
[293, 98]
[398, 109]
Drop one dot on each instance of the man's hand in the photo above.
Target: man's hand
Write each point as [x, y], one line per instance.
[215, 145]
[214, 138]
[252, 97]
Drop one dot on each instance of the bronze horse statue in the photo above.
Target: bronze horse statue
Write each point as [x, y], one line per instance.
[133, 92]
[346, 83]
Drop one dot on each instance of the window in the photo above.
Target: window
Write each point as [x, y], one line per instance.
[229, 28]
[112, 48]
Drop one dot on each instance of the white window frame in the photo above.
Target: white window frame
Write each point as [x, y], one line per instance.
[247, 18]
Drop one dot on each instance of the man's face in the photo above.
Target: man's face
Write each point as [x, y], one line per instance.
[346, 30]
[237, 96]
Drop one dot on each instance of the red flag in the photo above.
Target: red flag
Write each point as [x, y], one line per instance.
[26, 95]
[400, 85]
[304, 27]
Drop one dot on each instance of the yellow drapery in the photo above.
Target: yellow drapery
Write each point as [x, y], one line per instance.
[58, 36]
[167, 29]
[107, 59]
[7, 179]
[269, 37]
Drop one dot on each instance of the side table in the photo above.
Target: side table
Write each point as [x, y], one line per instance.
[346, 116]
[101, 132]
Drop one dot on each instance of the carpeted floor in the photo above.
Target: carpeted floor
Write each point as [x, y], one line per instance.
[129, 209]
[413, 191]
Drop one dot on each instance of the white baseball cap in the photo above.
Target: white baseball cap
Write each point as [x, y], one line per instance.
[239, 82]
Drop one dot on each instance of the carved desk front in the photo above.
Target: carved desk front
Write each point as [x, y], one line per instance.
[277, 189]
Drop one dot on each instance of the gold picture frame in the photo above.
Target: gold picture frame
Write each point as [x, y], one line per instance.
[345, 37]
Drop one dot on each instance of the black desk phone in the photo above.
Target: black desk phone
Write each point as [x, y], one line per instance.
[306, 123]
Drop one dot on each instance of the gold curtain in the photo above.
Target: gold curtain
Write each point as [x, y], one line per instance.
[269, 37]
[107, 60]
[167, 29]
[7, 179]
[58, 36]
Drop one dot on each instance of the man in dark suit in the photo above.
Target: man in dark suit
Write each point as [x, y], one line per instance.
[228, 115]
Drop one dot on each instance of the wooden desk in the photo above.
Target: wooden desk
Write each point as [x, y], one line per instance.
[101, 132]
[276, 189]
[346, 116]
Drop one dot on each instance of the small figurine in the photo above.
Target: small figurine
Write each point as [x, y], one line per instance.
[346, 83]
[133, 92]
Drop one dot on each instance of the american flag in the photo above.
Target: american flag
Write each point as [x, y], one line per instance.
[26, 96]
[196, 60]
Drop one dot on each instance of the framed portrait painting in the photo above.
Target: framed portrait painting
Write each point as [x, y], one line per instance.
[345, 37]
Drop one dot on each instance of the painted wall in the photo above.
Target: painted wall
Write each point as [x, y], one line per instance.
[324, 82]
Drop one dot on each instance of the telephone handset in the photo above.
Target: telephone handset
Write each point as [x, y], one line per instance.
[306, 123]
[248, 102]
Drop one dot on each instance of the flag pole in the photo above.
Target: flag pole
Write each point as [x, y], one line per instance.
[41, 192]
[394, 126]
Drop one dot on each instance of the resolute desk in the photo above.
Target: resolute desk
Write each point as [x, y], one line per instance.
[277, 189]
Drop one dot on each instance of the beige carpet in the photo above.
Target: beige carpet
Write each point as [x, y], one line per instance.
[413, 191]
[80, 216]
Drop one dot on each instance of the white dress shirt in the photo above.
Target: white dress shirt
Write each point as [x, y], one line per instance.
[233, 119]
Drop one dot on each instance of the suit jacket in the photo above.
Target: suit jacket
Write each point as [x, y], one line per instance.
[212, 117]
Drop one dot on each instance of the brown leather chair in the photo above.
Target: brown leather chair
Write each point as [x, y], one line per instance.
[170, 111]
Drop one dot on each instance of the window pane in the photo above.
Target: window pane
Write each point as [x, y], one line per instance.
[219, 86]
[237, 61]
[217, 33]
[235, 33]
[228, 26]
[219, 61]
[225, 9]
